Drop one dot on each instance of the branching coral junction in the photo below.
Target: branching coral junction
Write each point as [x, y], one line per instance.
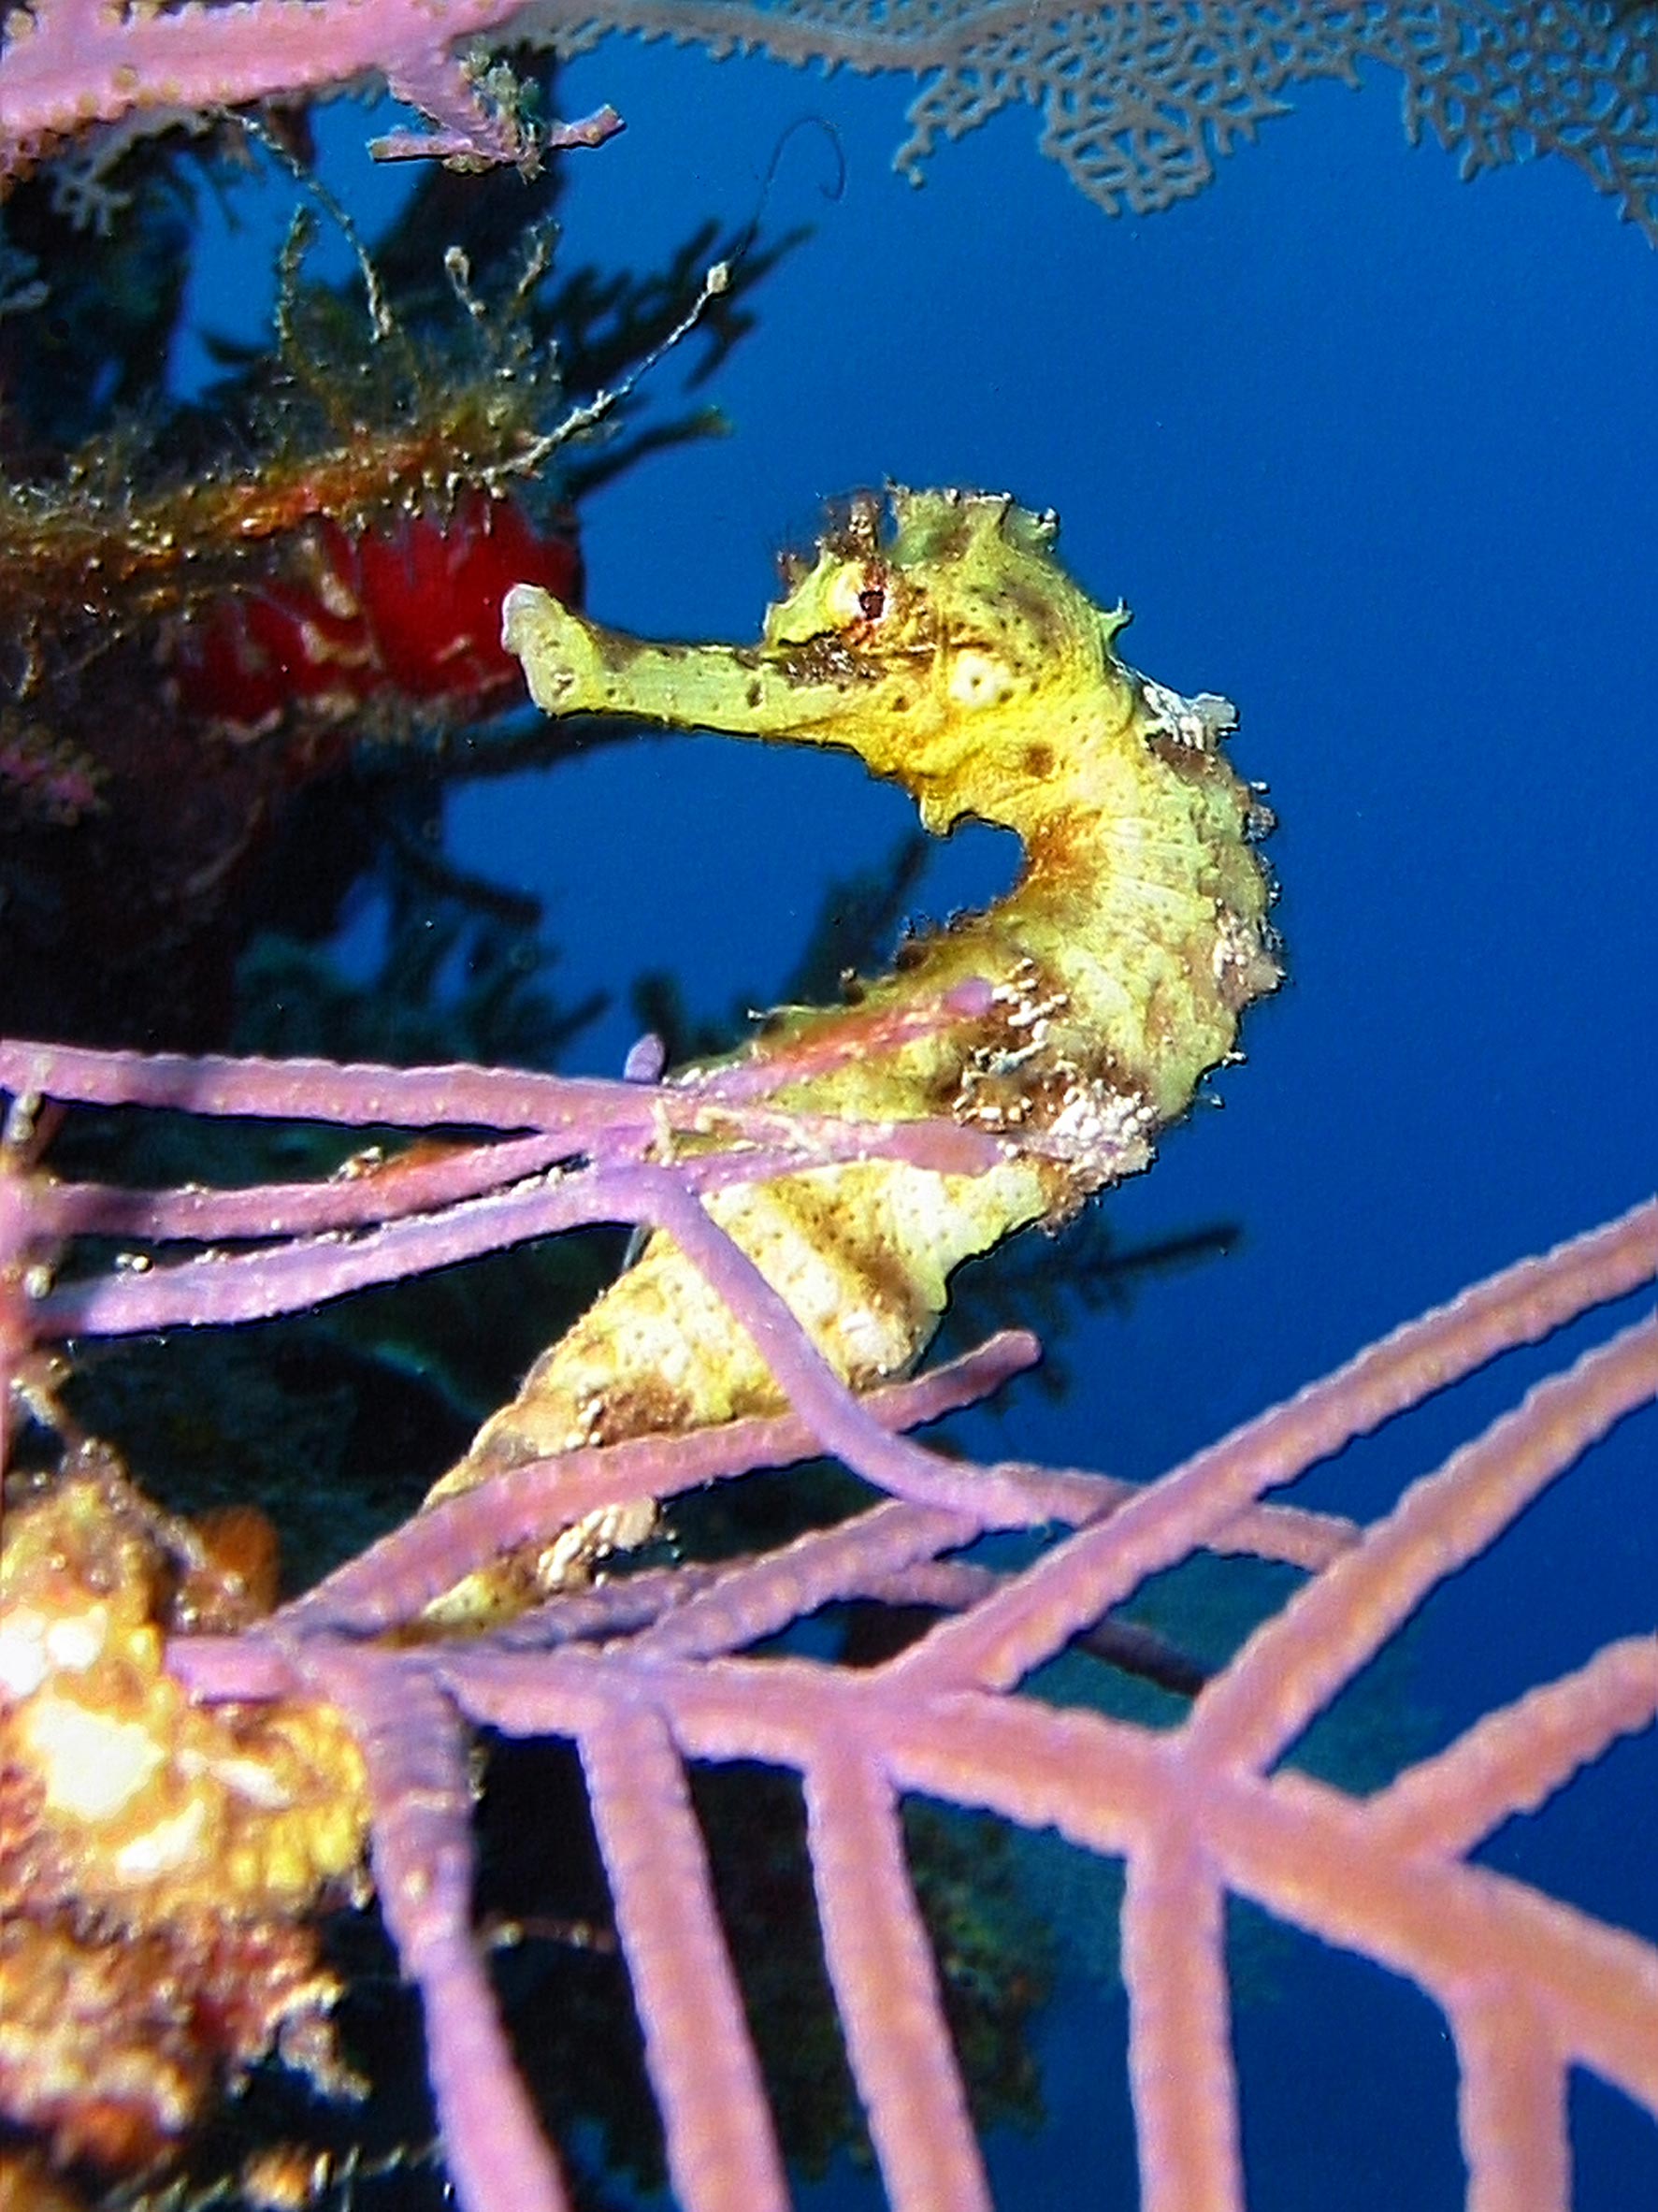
[956, 658]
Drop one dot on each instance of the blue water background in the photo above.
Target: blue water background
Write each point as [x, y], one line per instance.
[1374, 453]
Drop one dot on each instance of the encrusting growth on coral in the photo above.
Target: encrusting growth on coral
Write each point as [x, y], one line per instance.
[149, 1847]
[956, 658]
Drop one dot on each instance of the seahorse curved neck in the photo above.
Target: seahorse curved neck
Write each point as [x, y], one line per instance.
[955, 657]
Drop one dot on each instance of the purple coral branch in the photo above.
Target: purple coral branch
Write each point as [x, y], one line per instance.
[987, 1497]
[218, 1288]
[459, 1094]
[70, 62]
[1332, 1628]
[320, 1090]
[1180, 2064]
[366, 1193]
[722, 2150]
[1515, 1759]
[595, 1161]
[396, 1577]
[1000, 1642]
[874, 1942]
[416, 1753]
[648, 1673]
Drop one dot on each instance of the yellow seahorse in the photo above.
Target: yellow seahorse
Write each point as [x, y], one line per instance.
[953, 653]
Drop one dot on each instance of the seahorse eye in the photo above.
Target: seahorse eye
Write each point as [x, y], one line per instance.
[862, 592]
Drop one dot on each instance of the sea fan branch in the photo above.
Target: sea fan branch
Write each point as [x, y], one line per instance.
[722, 2152]
[877, 1949]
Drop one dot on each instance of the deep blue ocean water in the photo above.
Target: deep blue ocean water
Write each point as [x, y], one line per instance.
[1374, 453]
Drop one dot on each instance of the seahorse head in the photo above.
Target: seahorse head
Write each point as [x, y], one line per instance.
[934, 634]
[968, 665]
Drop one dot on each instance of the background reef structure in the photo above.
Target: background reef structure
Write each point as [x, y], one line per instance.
[292, 581]
[1136, 101]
